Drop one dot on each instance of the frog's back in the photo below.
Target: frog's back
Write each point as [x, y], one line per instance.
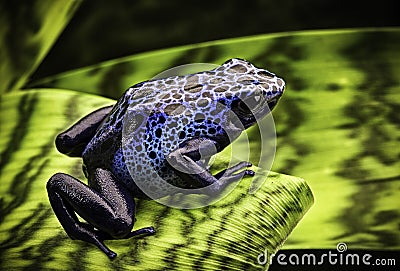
[155, 117]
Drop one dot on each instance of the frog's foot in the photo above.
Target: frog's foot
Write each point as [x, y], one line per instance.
[87, 233]
[183, 161]
[230, 175]
[143, 232]
[106, 205]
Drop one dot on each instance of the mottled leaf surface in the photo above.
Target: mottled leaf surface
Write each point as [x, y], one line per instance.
[228, 234]
[337, 126]
[337, 123]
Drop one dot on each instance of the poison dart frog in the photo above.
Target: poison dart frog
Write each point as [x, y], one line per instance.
[159, 129]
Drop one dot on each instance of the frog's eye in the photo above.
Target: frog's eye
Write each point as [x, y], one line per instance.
[253, 101]
[242, 107]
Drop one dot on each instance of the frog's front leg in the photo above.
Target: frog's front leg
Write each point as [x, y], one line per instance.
[185, 161]
[106, 205]
[73, 141]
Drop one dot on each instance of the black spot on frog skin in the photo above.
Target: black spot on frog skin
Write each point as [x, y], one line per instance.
[158, 132]
[182, 135]
[161, 119]
[152, 154]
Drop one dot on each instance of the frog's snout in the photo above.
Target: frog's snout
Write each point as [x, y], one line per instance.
[280, 84]
[272, 103]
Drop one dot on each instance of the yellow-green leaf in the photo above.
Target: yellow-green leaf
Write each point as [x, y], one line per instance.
[337, 122]
[231, 233]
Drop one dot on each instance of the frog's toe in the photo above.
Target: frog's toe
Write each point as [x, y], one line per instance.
[238, 167]
[233, 174]
[112, 255]
[143, 231]
[249, 172]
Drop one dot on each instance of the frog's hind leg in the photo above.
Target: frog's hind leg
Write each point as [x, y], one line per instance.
[73, 141]
[107, 206]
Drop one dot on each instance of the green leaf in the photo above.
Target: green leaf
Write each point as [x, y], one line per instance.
[231, 233]
[337, 123]
[337, 126]
[27, 32]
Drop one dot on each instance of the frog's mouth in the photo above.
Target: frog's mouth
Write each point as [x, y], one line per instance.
[272, 103]
[266, 108]
[253, 108]
[247, 116]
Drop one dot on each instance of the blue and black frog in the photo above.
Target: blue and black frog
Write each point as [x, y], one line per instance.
[157, 135]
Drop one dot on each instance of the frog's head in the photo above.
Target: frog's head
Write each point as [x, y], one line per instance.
[254, 92]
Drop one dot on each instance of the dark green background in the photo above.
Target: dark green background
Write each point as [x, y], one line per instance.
[337, 125]
[102, 30]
